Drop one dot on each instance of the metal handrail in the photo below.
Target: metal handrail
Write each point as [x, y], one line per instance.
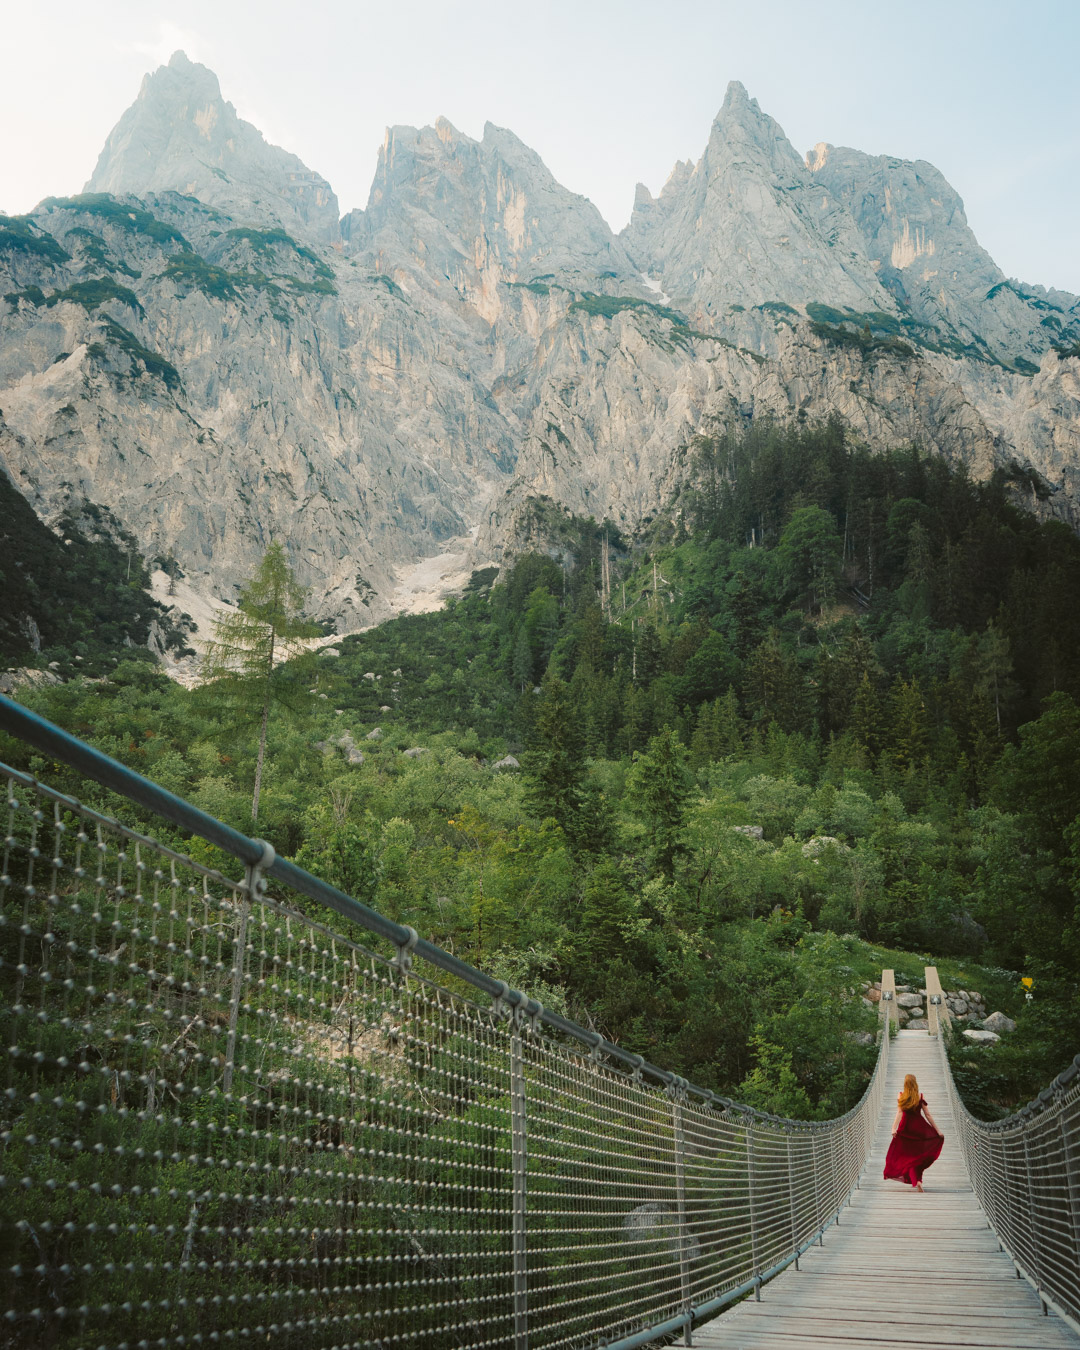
[543, 1186]
[67, 749]
[1025, 1170]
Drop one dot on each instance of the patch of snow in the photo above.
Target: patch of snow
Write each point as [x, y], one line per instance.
[655, 287]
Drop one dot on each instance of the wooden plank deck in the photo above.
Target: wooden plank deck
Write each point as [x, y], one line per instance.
[902, 1269]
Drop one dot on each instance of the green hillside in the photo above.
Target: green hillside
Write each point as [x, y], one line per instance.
[869, 661]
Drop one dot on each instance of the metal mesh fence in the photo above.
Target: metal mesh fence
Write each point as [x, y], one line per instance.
[226, 1120]
[1026, 1172]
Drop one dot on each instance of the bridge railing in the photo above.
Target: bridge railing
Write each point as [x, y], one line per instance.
[250, 1109]
[1025, 1170]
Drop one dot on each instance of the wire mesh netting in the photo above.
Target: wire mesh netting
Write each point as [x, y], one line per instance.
[1025, 1170]
[227, 1119]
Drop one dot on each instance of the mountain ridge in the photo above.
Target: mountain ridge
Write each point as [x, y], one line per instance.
[202, 343]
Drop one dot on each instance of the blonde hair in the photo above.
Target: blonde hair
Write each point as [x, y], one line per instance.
[910, 1097]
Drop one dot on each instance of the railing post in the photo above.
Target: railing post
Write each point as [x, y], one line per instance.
[519, 1165]
[254, 886]
[791, 1198]
[751, 1181]
[1072, 1185]
[1033, 1226]
[819, 1217]
[685, 1305]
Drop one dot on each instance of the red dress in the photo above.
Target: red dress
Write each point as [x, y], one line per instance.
[916, 1144]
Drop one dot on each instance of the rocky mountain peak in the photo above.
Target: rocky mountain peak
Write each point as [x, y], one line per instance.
[487, 341]
[478, 212]
[741, 126]
[750, 226]
[180, 134]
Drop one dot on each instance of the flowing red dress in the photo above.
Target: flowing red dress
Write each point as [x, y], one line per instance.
[915, 1146]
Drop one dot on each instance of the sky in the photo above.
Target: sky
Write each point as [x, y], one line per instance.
[609, 94]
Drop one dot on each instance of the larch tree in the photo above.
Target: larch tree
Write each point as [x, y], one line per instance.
[258, 658]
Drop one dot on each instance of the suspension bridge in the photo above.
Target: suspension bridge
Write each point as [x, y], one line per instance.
[242, 1108]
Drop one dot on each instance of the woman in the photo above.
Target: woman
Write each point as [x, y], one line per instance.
[916, 1140]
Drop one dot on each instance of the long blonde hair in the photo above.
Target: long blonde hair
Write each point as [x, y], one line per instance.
[910, 1097]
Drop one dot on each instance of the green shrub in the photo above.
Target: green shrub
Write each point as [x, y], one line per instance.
[124, 215]
[18, 234]
[119, 337]
[93, 294]
[607, 306]
[265, 242]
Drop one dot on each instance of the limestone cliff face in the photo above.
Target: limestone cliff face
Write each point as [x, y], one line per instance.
[917, 236]
[221, 387]
[480, 212]
[181, 135]
[750, 224]
[197, 345]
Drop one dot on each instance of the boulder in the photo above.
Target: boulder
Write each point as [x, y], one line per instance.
[656, 1221]
[967, 932]
[982, 1037]
[507, 762]
[12, 679]
[331, 651]
[918, 1024]
[375, 735]
[957, 1006]
[997, 1021]
[751, 831]
[820, 842]
[349, 748]
[369, 675]
[345, 744]
[415, 752]
[386, 708]
[861, 1037]
[909, 1000]
[874, 994]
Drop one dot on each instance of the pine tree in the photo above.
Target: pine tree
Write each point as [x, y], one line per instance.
[658, 785]
[257, 659]
[555, 760]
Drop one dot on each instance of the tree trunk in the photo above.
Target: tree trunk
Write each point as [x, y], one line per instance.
[262, 731]
[259, 761]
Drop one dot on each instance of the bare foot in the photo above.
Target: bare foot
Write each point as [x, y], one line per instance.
[918, 1186]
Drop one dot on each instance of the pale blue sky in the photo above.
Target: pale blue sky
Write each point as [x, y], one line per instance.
[607, 93]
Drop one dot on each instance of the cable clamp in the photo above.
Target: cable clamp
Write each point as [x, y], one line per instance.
[403, 960]
[255, 878]
[498, 1003]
